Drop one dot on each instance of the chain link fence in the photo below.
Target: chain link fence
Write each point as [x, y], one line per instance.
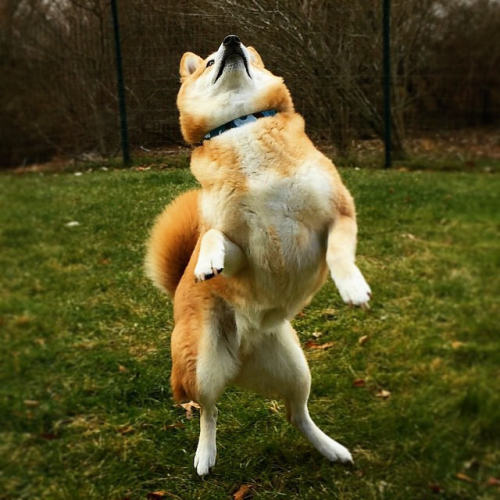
[58, 86]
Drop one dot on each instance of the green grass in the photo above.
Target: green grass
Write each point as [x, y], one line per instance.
[419, 161]
[85, 403]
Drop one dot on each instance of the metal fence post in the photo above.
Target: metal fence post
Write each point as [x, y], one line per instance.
[120, 85]
[387, 80]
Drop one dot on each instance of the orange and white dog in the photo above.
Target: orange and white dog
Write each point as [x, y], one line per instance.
[243, 255]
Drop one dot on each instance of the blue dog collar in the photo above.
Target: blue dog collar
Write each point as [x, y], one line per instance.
[238, 122]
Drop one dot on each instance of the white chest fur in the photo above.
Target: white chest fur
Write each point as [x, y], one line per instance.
[280, 220]
[277, 215]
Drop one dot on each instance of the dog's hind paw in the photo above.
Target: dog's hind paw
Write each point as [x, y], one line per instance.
[335, 452]
[204, 459]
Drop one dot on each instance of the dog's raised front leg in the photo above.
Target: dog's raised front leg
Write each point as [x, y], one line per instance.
[218, 254]
[340, 256]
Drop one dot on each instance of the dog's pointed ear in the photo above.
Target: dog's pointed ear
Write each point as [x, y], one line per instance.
[189, 64]
[255, 57]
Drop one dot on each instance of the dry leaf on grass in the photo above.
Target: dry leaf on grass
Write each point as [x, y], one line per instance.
[359, 382]
[473, 463]
[125, 429]
[31, 402]
[330, 311]
[456, 344]
[362, 340]
[158, 495]
[122, 369]
[49, 436]
[274, 406]
[383, 394]
[493, 481]
[189, 408]
[88, 344]
[436, 363]
[24, 320]
[244, 492]
[436, 488]
[464, 477]
[154, 495]
[312, 344]
[176, 425]
[317, 335]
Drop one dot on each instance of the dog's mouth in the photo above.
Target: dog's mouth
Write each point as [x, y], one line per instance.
[232, 53]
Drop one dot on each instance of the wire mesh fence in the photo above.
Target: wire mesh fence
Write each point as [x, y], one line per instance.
[58, 92]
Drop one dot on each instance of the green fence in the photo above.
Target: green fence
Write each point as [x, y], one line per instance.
[59, 94]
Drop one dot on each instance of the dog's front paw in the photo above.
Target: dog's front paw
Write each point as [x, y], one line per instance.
[211, 258]
[353, 287]
[209, 266]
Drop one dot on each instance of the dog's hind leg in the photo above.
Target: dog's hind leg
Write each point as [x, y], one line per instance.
[298, 414]
[206, 451]
[278, 366]
[217, 364]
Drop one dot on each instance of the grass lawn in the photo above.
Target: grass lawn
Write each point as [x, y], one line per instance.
[85, 403]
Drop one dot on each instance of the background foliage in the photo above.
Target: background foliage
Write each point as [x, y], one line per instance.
[58, 85]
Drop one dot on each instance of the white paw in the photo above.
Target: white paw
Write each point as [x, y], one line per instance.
[204, 459]
[209, 265]
[353, 287]
[335, 452]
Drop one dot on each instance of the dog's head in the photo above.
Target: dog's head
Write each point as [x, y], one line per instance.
[229, 83]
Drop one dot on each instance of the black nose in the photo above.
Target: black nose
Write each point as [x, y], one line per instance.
[231, 40]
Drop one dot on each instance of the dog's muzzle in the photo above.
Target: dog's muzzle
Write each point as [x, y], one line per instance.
[232, 49]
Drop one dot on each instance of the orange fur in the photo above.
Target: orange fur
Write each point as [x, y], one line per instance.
[193, 307]
[193, 128]
[288, 131]
[257, 60]
[189, 316]
[172, 241]
[206, 161]
[345, 204]
[172, 253]
[193, 124]
[189, 61]
[243, 255]
[276, 97]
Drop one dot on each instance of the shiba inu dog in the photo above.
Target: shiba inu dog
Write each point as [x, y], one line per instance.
[248, 251]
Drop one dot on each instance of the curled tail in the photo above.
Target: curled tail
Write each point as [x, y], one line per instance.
[172, 241]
